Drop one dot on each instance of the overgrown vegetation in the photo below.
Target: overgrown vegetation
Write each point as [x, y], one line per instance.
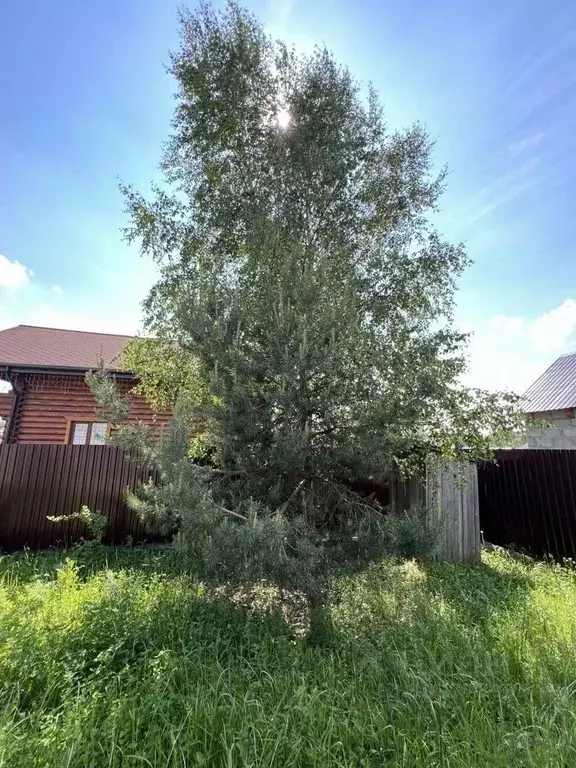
[121, 659]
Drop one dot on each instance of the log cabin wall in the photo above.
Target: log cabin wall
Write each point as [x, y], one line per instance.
[50, 402]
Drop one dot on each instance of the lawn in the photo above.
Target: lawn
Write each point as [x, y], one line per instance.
[118, 658]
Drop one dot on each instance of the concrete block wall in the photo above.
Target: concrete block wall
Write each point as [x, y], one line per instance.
[561, 435]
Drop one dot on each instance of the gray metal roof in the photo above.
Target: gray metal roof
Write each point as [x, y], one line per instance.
[555, 389]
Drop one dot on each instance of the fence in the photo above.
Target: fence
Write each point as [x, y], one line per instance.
[37, 481]
[528, 499]
[41, 480]
[450, 493]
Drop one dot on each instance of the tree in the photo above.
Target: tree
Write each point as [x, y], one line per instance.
[309, 298]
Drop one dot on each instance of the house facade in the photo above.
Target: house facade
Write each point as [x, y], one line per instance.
[552, 398]
[49, 401]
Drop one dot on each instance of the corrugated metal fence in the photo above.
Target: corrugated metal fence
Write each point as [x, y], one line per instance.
[528, 499]
[41, 480]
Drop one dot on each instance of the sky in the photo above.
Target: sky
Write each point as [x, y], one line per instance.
[86, 101]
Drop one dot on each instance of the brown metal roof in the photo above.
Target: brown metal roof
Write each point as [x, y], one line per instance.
[555, 389]
[35, 347]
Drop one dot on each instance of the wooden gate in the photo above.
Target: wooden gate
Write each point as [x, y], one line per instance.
[37, 481]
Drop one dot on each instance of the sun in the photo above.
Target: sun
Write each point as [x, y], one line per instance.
[283, 118]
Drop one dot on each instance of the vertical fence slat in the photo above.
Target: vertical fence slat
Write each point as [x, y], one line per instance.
[19, 513]
[569, 499]
[51, 486]
[117, 481]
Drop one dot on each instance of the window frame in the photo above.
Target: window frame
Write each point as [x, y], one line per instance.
[71, 420]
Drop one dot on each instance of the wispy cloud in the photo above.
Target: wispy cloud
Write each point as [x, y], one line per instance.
[505, 188]
[498, 201]
[525, 144]
[56, 289]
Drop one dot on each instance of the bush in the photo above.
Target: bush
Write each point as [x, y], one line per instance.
[96, 522]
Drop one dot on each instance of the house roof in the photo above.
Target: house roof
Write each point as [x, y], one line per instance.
[30, 346]
[555, 389]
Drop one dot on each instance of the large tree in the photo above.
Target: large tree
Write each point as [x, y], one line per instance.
[303, 285]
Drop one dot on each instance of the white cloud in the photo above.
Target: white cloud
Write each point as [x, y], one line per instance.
[511, 352]
[30, 302]
[13, 275]
[552, 330]
[37, 304]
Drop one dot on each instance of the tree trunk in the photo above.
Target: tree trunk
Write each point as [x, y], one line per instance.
[321, 631]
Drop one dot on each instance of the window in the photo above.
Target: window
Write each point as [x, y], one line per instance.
[88, 432]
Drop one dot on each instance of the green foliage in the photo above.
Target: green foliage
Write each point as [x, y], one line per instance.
[249, 541]
[112, 406]
[95, 522]
[300, 269]
[303, 311]
[119, 658]
[165, 373]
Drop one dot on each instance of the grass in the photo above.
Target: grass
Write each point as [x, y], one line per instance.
[118, 658]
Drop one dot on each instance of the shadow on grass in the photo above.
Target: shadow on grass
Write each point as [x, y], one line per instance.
[388, 592]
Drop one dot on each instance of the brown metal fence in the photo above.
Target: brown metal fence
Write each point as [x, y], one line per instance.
[528, 499]
[41, 480]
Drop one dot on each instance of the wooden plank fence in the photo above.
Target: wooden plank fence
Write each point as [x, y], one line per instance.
[528, 499]
[449, 491]
[37, 481]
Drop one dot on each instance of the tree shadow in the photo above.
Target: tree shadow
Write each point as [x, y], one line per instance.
[477, 593]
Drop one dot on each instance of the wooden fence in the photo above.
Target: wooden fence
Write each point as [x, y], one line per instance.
[449, 491]
[41, 480]
[528, 499]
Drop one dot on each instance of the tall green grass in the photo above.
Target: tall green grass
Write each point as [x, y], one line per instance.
[118, 658]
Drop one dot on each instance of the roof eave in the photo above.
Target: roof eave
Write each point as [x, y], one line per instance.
[7, 368]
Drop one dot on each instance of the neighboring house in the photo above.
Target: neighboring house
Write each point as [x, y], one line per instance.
[552, 398]
[50, 401]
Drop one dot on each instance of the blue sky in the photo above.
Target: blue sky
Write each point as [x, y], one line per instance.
[85, 100]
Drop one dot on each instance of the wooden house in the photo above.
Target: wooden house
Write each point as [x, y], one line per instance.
[49, 401]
